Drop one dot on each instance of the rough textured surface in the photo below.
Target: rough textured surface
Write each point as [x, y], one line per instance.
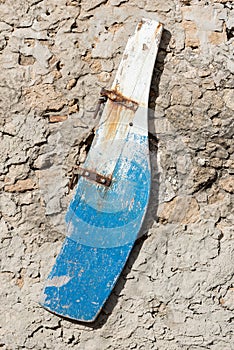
[176, 291]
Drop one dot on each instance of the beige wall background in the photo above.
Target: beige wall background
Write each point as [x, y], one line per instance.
[176, 291]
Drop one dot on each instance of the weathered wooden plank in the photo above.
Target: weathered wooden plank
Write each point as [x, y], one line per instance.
[103, 221]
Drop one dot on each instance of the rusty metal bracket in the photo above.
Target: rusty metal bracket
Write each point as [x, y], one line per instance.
[117, 97]
[92, 176]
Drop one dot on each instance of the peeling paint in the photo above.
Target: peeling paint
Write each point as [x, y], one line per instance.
[58, 281]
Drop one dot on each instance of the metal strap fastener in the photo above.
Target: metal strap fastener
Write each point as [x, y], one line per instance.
[92, 176]
[118, 98]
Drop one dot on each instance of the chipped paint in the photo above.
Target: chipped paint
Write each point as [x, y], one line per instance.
[58, 281]
[145, 47]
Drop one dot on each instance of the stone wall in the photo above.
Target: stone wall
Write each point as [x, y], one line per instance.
[176, 291]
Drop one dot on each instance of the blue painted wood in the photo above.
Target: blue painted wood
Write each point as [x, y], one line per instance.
[103, 222]
[92, 274]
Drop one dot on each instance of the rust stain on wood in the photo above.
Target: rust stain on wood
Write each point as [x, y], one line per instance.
[113, 121]
[140, 24]
[158, 29]
[118, 118]
[120, 107]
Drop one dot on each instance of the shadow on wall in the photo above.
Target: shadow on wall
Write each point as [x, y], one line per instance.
[153, 201]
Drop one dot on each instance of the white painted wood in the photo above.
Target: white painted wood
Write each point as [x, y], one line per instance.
[134, 74]
[132, 81]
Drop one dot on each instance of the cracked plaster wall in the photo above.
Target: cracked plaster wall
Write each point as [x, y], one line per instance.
[176, 291]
